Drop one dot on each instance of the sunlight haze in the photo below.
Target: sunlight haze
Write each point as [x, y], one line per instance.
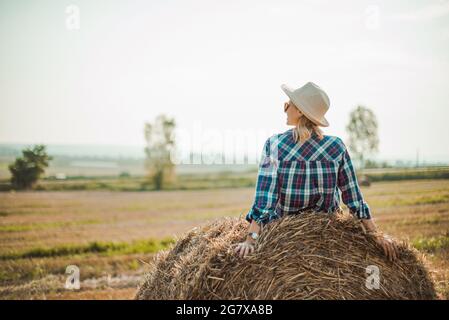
[220, 64]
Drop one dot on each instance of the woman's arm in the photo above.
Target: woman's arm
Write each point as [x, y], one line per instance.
[267, 188]
[265, 198]
[369, 225]
[253, 227]
[349, 186]
[353, 198]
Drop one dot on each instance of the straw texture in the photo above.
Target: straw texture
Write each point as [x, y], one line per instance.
[305, 256]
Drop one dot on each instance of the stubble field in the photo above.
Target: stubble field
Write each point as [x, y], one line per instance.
[110, 236]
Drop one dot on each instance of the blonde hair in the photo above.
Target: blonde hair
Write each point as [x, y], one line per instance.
[304, 130]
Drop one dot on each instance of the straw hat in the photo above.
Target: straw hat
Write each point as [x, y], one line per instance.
[311, 100]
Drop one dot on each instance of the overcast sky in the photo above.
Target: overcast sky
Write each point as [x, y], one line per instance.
[220, 64]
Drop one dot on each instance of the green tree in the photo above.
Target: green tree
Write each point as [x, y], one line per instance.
[160, 142]
[362, 131]
[26, 170]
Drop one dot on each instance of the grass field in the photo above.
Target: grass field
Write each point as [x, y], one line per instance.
[111, 235]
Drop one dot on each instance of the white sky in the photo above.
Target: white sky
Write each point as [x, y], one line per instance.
[220, 64]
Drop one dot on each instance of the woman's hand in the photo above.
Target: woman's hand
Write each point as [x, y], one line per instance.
[247, 246]
[244, 248]
[388, 245]
[385, 242]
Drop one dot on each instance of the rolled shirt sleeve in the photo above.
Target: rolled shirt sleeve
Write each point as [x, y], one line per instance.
[351, 194]
[267, 186]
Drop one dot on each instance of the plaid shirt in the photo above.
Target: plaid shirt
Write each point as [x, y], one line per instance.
[294, 177]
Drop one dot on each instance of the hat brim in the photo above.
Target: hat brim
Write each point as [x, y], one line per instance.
[318, 121]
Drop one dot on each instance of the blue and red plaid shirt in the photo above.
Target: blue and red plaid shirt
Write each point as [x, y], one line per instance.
[314, 175]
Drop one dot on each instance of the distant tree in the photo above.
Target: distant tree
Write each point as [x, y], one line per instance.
[371, 164]
[160, 141]
[362, 131]
[124, 174]
[26, 170]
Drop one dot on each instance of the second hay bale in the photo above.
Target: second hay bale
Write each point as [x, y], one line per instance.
[306, 256]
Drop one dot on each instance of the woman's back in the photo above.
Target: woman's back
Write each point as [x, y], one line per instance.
[294, 177]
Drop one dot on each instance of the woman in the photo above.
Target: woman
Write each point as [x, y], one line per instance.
[303, 169]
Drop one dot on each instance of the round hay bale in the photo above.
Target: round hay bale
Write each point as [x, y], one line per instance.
[305, 256]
